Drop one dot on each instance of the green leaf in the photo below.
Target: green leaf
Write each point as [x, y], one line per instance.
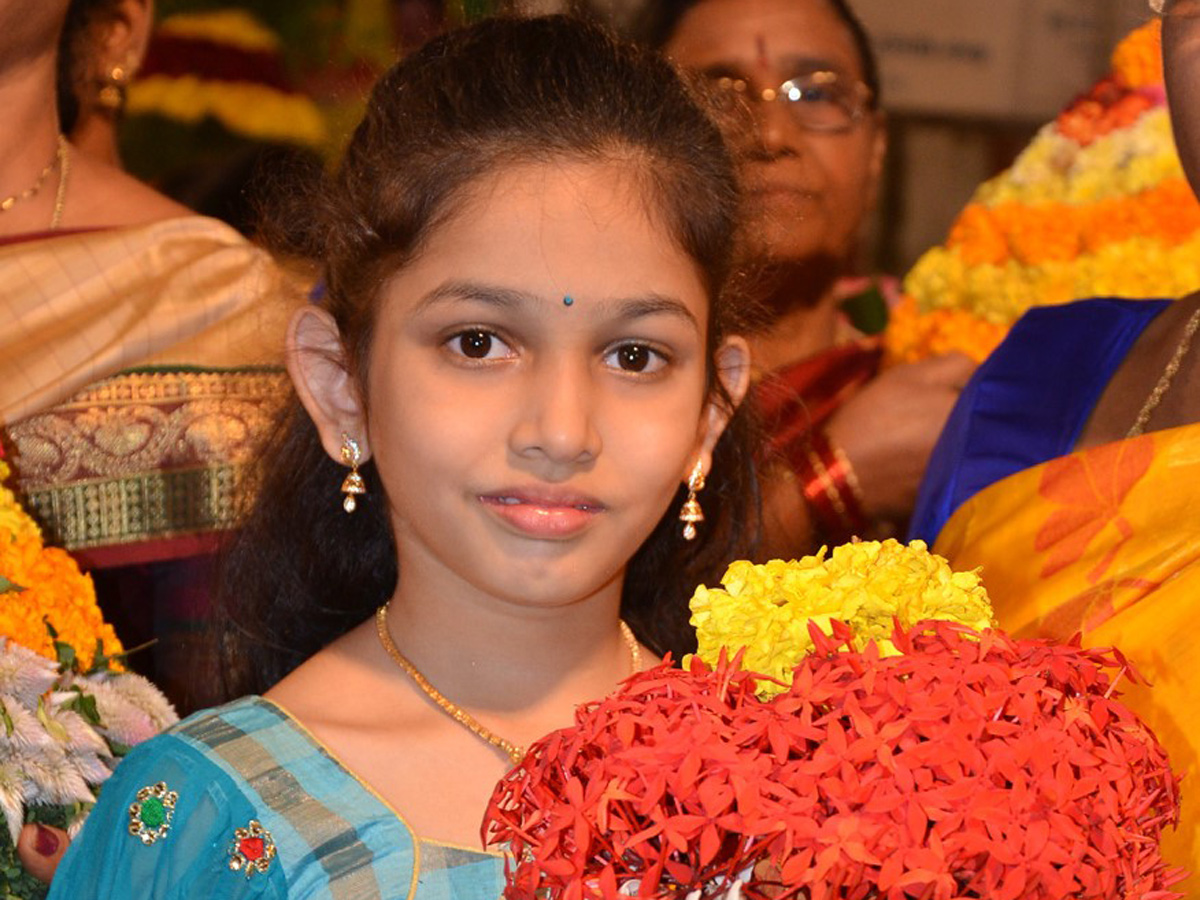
[55, 729]
[867, 310]
[84, 704]
[66, 655]
[10, 587]
[118, 749]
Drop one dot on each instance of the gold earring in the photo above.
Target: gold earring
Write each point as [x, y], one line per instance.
[353, 483]
[112, 91]
[691, 512]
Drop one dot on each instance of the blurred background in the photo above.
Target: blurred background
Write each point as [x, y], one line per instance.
[228, 85]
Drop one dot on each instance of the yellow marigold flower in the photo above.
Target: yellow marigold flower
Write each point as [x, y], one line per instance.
[765, 609]
[13, 518]
[255, 110]
[48, 587]
[235, 27]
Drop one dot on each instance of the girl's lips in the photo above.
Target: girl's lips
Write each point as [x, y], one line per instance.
[545, 518]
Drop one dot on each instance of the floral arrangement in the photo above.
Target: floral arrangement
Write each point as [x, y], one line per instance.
[765, 610]
[1096, 205]
[963, 764]
[224, 64]
[67, 710]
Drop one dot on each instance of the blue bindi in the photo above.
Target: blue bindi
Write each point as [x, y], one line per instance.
[568, 300]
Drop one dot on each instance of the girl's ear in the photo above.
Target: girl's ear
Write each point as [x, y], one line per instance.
[127, 35]
[733, 369]
[316, 361]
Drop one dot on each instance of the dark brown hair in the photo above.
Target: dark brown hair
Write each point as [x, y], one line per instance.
[503, 92]
[77, 48]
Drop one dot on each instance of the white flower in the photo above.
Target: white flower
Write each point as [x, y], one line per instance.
[131, 708]
[20, 728]
[68, 727]
[12, 797]
[24, 674]
[51, 778]
[92, 769]
[74, 826]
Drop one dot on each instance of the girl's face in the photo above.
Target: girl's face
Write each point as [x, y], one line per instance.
[537, 387]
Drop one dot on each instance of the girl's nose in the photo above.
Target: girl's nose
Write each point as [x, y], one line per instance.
[558, 421]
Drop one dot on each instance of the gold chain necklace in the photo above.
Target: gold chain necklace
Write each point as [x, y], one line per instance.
[515, 752]
[60, 196]
[30, 192]
[1168, 375]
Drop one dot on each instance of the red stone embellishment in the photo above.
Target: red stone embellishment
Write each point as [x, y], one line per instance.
[252, 849]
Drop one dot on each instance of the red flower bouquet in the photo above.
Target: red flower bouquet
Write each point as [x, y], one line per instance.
[965, 765]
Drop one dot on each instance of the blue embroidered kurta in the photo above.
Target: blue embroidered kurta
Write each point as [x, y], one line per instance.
[335, 839]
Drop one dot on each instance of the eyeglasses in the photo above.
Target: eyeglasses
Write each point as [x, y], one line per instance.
[817, 101]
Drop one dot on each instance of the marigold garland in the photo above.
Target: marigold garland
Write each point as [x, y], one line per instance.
[253, 110]
[43, 585]
[764, 611]
[234, 27]
[1097, 205]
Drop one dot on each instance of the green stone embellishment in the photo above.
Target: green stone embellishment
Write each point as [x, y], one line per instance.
[150, 816]
[153, 812]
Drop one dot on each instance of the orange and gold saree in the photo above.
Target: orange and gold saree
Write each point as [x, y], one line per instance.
[1103, 542]
[1106, 542]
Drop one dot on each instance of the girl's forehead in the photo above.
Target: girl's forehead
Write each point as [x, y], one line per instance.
[561, 229]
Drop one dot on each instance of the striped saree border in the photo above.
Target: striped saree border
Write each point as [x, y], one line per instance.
[143, 507]
[311, 815]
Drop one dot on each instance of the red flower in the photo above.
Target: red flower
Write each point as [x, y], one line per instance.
[972, 765]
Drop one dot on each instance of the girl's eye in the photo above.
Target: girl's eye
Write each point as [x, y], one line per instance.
[636, 358]
[478, 344]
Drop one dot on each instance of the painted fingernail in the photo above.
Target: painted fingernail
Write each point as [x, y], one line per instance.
[46, 842]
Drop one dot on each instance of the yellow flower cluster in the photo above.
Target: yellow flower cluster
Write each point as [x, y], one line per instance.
[254, 110]
[766, 609]
[13, 519]
[47, 587]
[235, 27]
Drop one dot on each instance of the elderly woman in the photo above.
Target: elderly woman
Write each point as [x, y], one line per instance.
[848, 442]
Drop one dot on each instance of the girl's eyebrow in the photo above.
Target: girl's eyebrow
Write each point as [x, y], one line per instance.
[493, 295]
[652, 304]
[627, 308]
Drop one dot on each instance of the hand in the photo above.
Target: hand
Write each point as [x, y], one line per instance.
[888, 429]
[40, 848]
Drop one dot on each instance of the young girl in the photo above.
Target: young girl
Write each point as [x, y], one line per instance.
[521, 377]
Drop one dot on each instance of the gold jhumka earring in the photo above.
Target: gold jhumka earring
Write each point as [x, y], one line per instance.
[691, 512]
[353, 485]
[113, 86]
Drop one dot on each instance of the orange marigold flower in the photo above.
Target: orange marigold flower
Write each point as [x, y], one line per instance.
[45, 586]
[913, 335]
[979, 237]
[1137, 61]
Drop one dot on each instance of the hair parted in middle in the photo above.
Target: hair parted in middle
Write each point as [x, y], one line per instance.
[504, 92]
